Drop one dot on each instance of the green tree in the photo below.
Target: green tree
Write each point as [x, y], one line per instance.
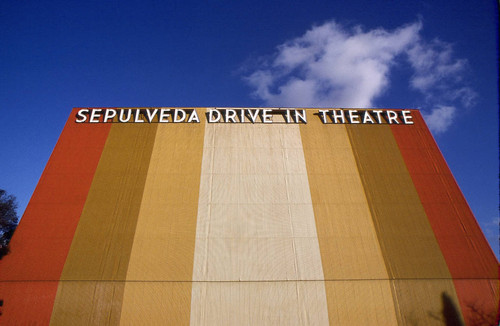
[8, 220]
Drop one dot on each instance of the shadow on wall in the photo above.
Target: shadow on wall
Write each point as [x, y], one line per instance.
[450, 314]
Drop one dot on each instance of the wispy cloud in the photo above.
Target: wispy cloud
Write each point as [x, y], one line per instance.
[333, 66]
[440, 118]
[491, 229]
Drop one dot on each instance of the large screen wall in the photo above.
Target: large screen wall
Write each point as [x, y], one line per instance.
[247, 224]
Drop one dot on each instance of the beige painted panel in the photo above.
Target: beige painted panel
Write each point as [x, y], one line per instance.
[357, 285]
[254, 259]
[256, 234]
[259, 303]
[246, 259]
[252, 159]
[158, 286]
[262, 189]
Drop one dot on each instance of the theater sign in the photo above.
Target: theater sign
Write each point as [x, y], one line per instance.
[242, 115]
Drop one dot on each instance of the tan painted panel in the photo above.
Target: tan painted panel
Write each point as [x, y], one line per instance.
[158, 285]
[256, 235]
[357, 286]
[156, 303]
[408, 244]
[360, 302]
[103, 239]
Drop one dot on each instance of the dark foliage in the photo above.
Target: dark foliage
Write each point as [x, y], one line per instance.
[482, 317]
[8, 220]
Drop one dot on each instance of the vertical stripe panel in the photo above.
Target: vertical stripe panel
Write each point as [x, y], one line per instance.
[422, 285]
[41, 242]
[470, 260]
[91, 287]
[357, 286]
[257, 257]
[158, 289]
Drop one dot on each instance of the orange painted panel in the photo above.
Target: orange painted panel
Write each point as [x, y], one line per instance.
[41, 243]
[471, 262]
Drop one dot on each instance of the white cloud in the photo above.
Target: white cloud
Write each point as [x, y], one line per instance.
[332, 66]
[440, 118]
[433, 63]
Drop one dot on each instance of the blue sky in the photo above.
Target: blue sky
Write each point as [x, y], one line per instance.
[437, 56]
